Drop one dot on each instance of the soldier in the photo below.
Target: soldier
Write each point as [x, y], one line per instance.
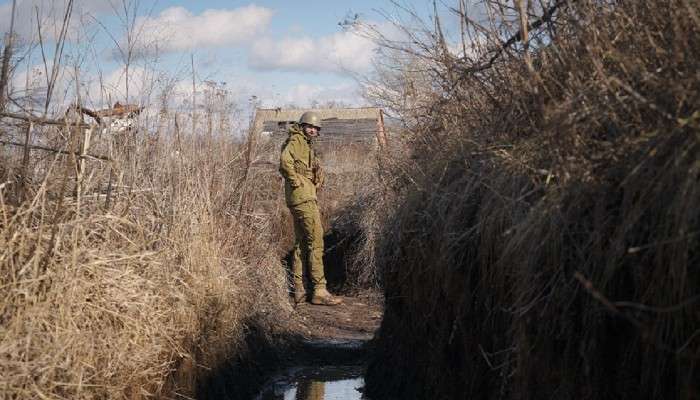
[303, 176]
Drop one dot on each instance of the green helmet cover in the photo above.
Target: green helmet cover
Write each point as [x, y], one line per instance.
[310, 118]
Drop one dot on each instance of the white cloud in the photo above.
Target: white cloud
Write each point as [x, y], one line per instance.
[115, 82]
[306, 95]
[94, 92]
[51, 14]
[177, 29]
[342, 51]
[112, 86]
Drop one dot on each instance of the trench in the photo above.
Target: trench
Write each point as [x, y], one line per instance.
[323, 356]
[293, 368]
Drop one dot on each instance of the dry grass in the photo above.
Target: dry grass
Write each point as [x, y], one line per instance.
[347, 205]
[551, 250]
[139, 298]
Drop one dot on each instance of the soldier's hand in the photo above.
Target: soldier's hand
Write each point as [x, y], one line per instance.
[319, 176]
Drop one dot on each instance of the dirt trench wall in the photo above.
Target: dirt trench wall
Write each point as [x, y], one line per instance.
[551, 251]
[588, 294]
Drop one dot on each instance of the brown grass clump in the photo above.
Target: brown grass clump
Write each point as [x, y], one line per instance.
[350, 208]
[551, 250]
[350, 241]
[139, 297]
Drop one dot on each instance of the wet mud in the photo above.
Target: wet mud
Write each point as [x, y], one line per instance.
[325, 351]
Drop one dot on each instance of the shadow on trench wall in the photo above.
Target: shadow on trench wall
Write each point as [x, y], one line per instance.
[242, 375]
[338, 249]
[261, 355]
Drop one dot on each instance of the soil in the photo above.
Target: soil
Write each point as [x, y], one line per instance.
[355, 320]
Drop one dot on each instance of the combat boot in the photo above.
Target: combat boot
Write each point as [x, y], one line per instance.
[321, 297]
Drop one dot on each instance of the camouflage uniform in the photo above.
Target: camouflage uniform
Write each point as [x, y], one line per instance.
[302, 174]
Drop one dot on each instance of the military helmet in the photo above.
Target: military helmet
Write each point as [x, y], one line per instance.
[310, 118]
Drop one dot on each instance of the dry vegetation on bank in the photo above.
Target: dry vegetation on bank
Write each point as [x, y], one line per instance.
[142, 295]
[551, 250]
[141, 272]
[147, 263]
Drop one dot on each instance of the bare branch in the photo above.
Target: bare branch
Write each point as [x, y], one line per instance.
[58, 151]
[546, 17]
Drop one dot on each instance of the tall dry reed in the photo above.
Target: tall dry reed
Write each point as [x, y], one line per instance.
[140, 296]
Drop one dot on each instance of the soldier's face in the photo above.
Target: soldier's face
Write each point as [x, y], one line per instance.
[311, 131]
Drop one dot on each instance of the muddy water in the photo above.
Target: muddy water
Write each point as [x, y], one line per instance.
[316, 383]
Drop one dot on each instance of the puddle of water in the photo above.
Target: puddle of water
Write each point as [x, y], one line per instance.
[316, 383]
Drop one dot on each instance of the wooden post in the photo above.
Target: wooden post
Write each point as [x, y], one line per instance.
[523, 6]
[381, 133]
[84, 146]
[25, 160]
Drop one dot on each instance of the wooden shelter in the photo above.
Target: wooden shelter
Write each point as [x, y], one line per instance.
[348, 138]
[340, 125]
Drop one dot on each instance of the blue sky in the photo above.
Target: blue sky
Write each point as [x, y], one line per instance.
[283, 52]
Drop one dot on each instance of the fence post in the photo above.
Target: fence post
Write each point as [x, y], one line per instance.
[381, 133]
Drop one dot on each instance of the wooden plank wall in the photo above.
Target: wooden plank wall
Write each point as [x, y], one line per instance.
[336, 130]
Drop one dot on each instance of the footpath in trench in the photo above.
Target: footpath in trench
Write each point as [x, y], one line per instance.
[355, 320]
[330, 364]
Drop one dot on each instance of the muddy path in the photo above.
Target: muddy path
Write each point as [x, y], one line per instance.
[330, 363]
[355, 320]
[318, 342]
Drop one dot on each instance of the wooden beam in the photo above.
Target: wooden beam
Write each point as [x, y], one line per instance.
[44, 121]
[49, 149]
[381, 133]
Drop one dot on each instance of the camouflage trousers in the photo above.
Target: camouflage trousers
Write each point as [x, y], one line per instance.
[307, 255]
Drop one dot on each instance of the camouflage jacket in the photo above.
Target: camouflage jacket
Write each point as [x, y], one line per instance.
[300, 168]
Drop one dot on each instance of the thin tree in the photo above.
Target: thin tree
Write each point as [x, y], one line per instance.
[7, 55]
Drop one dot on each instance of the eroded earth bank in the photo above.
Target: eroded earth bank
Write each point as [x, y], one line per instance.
[551, 249]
